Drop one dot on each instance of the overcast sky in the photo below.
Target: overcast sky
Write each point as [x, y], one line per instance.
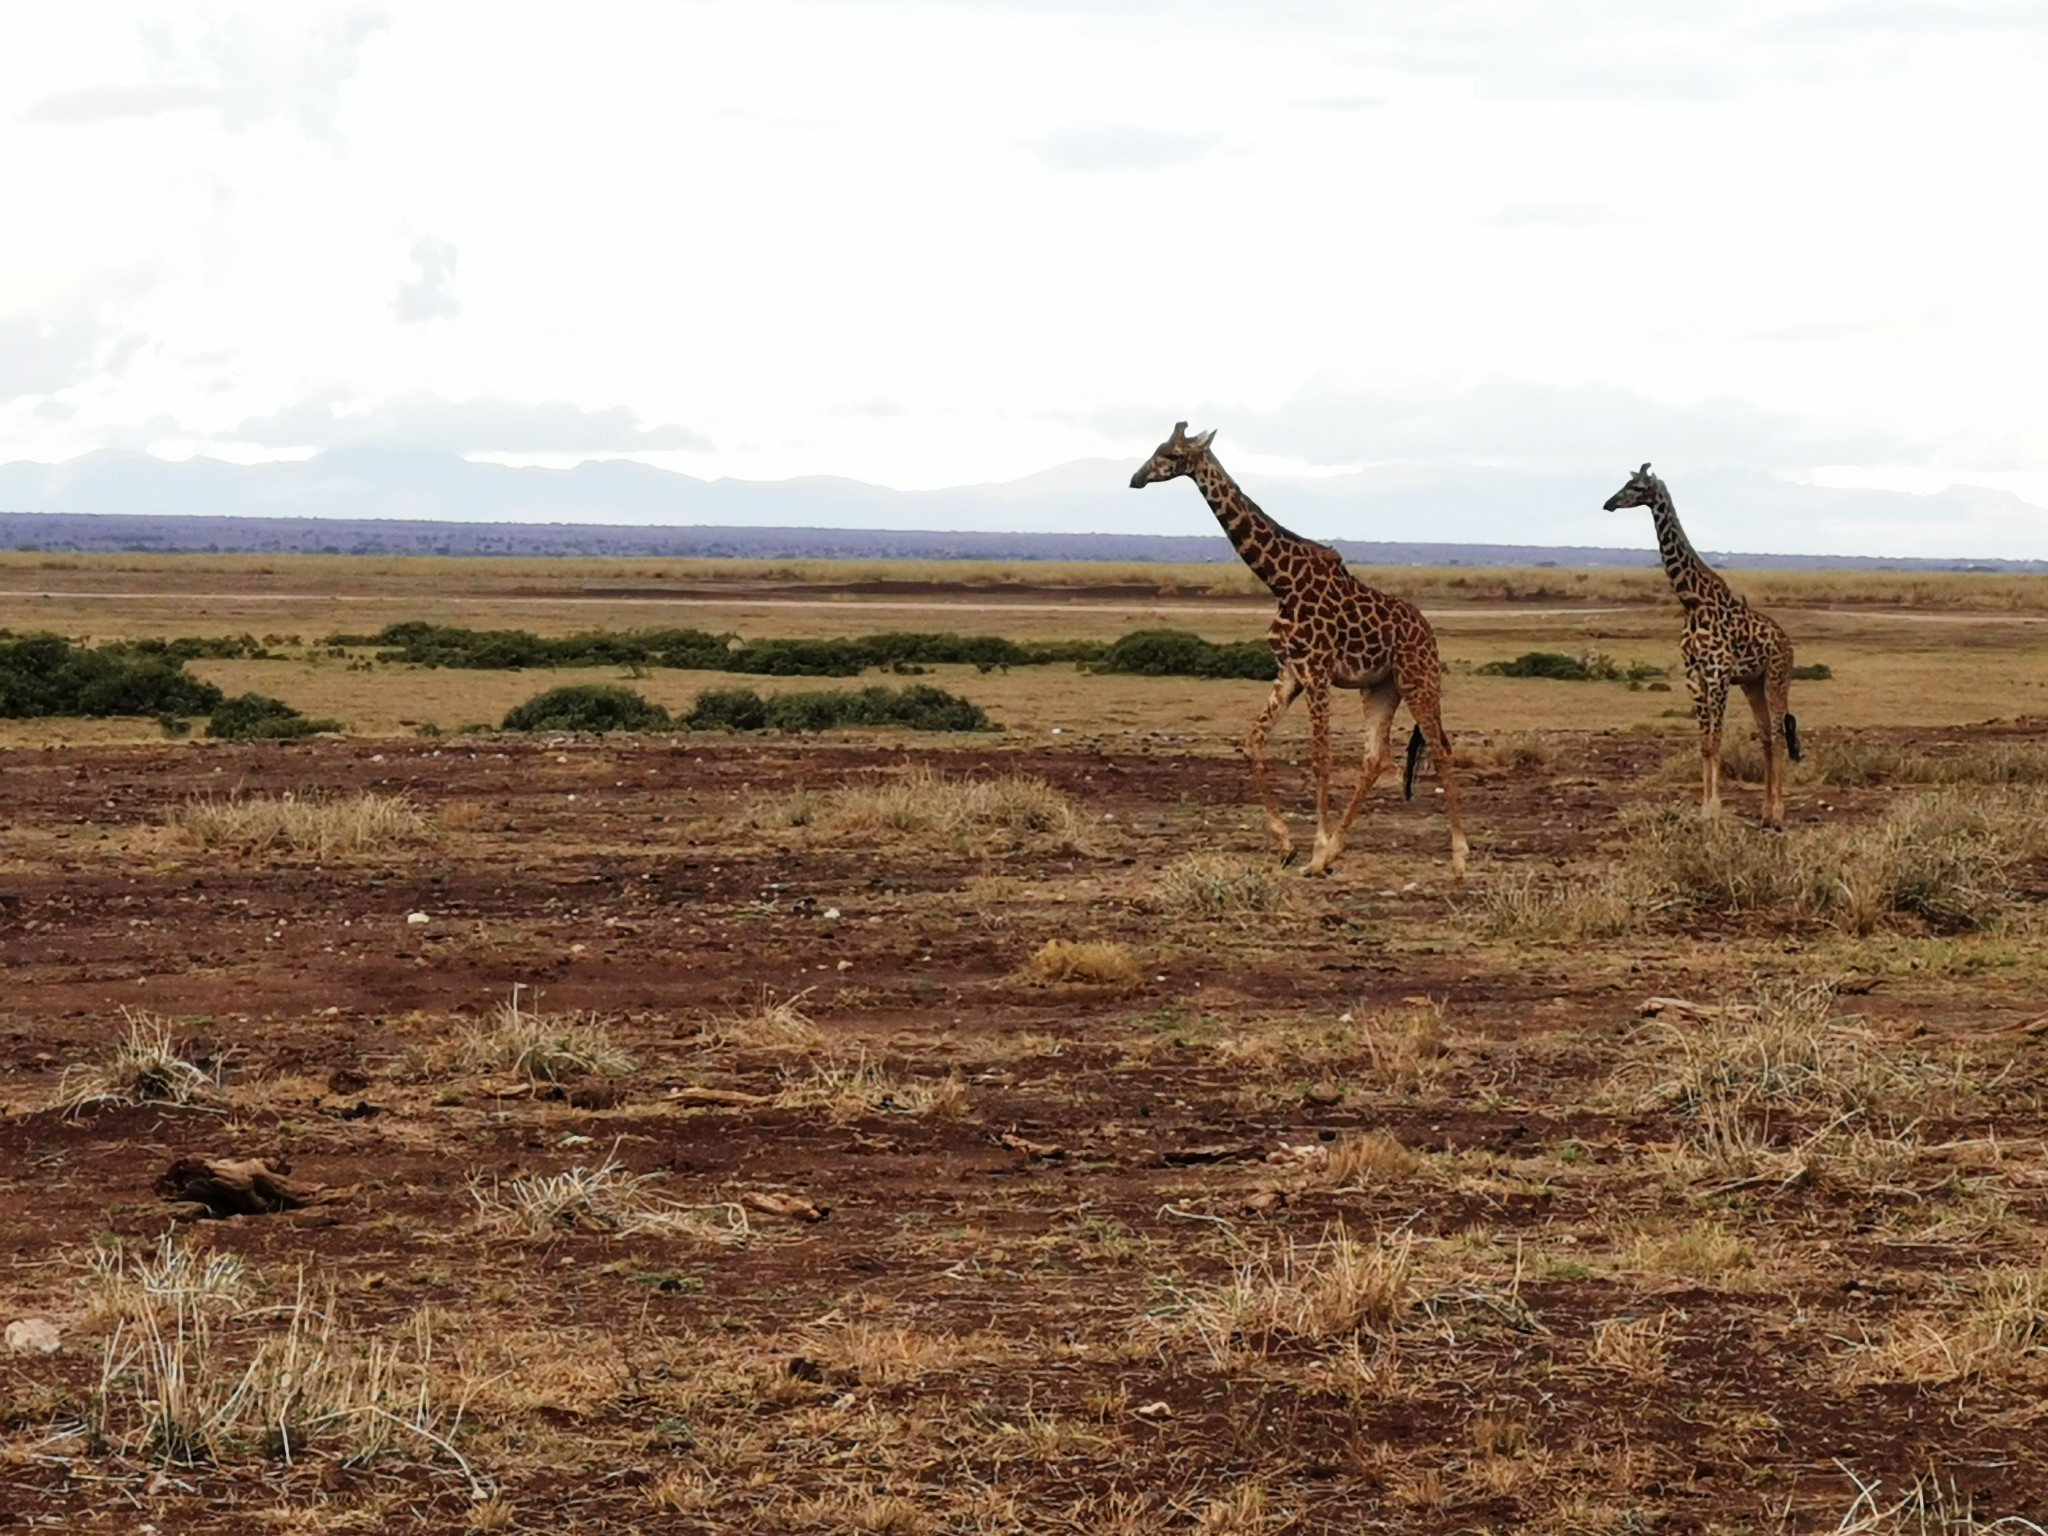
[932, 242]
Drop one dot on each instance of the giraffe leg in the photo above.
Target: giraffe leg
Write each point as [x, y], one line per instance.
[1283, 694]
[1318, 689]
[1774, 768]
[1778, 705]
[1380, 704]
[1428, 714]
[1709, 702]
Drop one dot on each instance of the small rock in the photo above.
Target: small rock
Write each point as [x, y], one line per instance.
[831, 912]
[417, 919]
[1154, 1410]
[32, 1336]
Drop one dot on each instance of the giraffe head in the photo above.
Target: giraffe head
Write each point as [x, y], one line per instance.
[1176, 456]
[1641, 491]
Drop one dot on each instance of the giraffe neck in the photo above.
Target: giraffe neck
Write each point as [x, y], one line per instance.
[1258, 540]
[1692, 578]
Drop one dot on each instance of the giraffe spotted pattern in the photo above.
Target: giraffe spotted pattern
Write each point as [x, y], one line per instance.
[1331, 631]
[1725, 644]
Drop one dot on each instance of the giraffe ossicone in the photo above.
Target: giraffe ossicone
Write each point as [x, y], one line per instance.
[1331, 631]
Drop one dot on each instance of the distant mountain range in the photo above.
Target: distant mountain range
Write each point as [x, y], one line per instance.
[396, 501]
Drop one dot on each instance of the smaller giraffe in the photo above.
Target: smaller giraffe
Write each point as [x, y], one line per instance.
[1725, 643]
[1332, 631]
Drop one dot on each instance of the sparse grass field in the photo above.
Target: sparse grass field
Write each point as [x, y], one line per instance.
[982, 1136]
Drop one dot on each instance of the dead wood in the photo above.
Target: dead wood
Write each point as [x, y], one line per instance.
[230, 1186]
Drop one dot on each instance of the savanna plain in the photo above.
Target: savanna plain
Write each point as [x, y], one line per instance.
[884, 1131]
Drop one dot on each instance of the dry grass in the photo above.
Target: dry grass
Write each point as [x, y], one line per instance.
[1945, 859]
[323, 826]
[1857, 761]
[771, 1024]
[121, 1285]
[1369, 1160]
[1515, 749]
[143, 1067]
[1088, 962]
[1782, 1079]
[1221, 885]
[1406, 1049]
[1558, 909]
[2001, 1330]
[546, 1048]
[1634, 1346]
[844, 1092]
[1294, 1294]
[923, 803]
[604, 1199]
[190, 1375]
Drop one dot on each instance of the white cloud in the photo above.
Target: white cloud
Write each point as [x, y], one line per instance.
[430, 293]
[463, 426]
[1123, 148]
[249, 67]
[1516, 422]
[39, 357]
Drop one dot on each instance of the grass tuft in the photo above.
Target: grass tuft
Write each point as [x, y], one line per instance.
[143, 1067]
[605, 1199]
[1294, 1294]
[1012, 808]
[312, 824]
[1089, 962]
[547, 1048]
[1220, 885]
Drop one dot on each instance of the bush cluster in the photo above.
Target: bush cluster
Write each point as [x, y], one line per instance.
[1179, 653]
[258, 717]
[442, 645]
[1592, 667]
[589, 707]
[916, 708]
[42, 675]
[609, 707]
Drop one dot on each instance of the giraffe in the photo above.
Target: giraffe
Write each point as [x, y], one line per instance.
[1725, 642]
[1332, 631]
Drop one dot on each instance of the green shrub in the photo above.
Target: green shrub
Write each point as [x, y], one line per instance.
[918, 707]
[1813, 672]
[43, 675]
[588, 707]
[1179, 653]
[243, 647]
[727, 709]
[258, 717]
[1556, 666]
[441, 645]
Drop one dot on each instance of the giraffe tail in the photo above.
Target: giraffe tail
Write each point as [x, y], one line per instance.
[1791, 738]
[1415, 749]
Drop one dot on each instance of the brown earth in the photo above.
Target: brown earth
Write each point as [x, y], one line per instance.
[981, 1335]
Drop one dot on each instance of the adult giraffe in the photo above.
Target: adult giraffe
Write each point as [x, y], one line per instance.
[1332, 631]
[1726, 642]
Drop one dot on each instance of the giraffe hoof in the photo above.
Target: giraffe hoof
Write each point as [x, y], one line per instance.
[1289, 857]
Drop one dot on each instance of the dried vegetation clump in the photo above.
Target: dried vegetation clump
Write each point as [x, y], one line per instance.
[604, 1199]
[1784, 1085]
[1012, 809]
[1220, 885]
[1086, 962]
[1943, 861]
[771, 1024]
[545, 1047]
[846, 1091]
[192, 1374]
[1301, 1294]
[324, 826]
[143, 1067]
